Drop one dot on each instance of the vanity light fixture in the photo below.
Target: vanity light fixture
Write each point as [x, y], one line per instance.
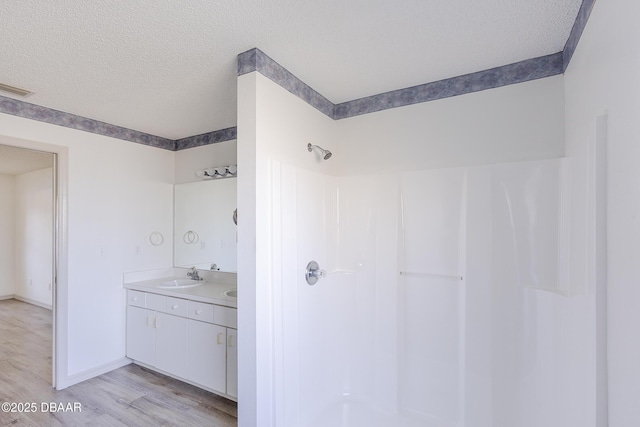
[218, 172]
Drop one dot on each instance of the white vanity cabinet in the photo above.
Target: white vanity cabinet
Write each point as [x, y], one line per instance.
[141, 335]
[191, 340]
[232, 362]
[207, 355]
[171, 344]
[210, 361]
[157, 339]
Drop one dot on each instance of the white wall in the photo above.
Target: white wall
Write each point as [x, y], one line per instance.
[251, 403]
[7, 200]
[272, 125]
[190, 160]
[603, 78]
[33, 235]
[510, 123]
[116, 194]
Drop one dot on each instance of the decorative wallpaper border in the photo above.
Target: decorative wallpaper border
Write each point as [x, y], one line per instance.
[221, 135]
[576, 31]
[519, 72]
[531, 69]
[26, 110]
[256, 60]
[43, 114]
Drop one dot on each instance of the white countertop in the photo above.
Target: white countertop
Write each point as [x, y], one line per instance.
[209, 292]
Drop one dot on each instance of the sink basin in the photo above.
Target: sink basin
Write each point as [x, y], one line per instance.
[232, 293]
[180, 284]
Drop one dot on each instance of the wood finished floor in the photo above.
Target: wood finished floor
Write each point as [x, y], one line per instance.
[129, 396]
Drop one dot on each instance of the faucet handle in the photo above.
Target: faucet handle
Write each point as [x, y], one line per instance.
[194, 274]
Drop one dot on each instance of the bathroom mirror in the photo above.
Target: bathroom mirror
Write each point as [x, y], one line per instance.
[204, 228]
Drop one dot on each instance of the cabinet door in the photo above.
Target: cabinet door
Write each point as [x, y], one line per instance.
[232, 362]
[171, 344]
[141, 335]
[207, 355]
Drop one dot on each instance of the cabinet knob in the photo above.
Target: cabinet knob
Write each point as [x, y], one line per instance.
[134, 299]
[198, 312]
[174, 307]
[230, 341]
[219, 337]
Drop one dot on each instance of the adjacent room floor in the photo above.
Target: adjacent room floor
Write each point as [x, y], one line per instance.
[129, 396]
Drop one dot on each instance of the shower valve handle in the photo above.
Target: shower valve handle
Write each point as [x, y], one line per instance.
[313, 273]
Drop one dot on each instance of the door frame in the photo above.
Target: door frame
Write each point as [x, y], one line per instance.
[59, 288]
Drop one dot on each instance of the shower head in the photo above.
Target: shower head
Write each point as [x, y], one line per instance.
[326, 154]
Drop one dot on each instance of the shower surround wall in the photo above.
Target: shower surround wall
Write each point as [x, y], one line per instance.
[449, 299]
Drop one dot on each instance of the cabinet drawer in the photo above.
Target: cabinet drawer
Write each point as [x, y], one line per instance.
[225, 316]
[177, 307]
[201, 311]
[156, 302]
[136, 298]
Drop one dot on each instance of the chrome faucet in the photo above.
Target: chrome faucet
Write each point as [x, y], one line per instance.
[193, 274]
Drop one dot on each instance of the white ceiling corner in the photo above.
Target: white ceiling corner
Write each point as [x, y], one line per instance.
[168, 68]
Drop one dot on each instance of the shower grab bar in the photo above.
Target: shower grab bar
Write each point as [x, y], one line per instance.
[431, 275]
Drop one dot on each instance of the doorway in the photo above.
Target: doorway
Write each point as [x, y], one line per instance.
[28, 231]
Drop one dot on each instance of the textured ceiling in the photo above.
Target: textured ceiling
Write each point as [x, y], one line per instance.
[16, 161]
[168, 68]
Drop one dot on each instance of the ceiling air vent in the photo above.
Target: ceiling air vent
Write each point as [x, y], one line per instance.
[14, 90]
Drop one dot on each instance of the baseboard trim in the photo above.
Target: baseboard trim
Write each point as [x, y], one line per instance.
[32, 302]
[92, 373]
[5, 297]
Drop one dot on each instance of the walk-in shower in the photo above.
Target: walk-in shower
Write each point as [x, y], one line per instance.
[436, 306]
[457, 296]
